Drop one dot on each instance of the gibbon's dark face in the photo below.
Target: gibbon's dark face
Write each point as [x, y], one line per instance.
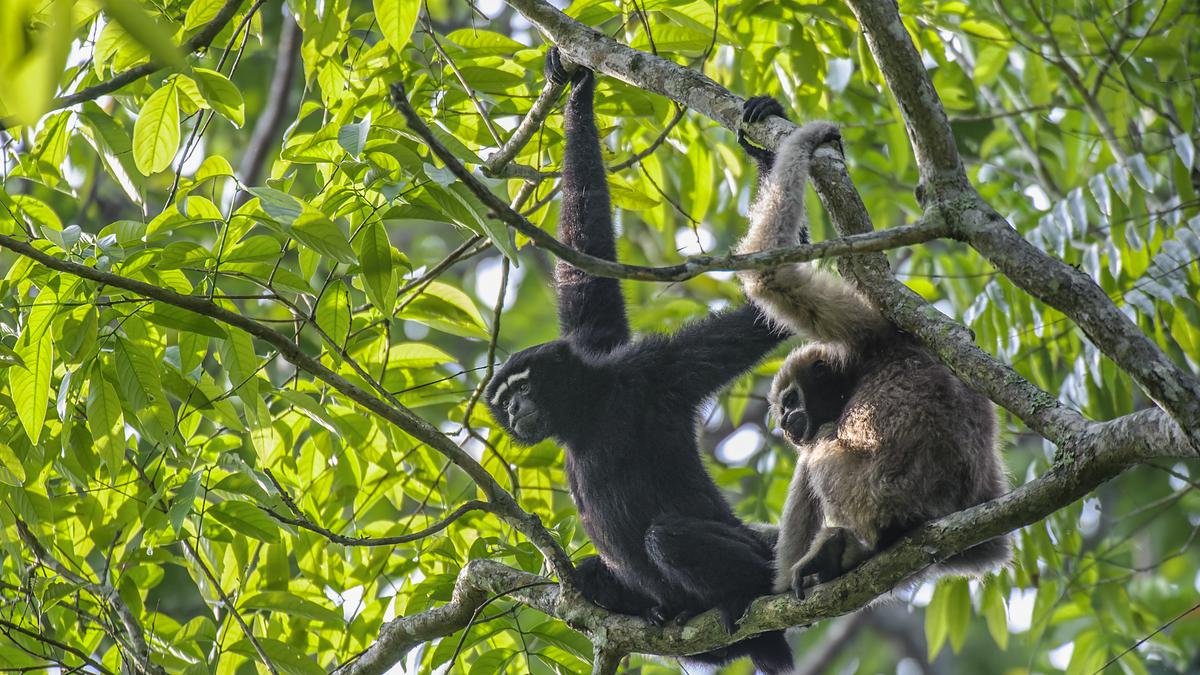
[519, 393]
[807, 393]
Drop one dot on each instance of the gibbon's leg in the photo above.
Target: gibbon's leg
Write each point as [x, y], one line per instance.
[720, 565]
[601, 587]
[591, 311]
[834, 551]
[798, 526]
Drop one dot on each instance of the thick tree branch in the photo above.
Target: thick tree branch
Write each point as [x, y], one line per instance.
[1100, 452]
[919, 232]
[1052, 281]
[1046, 278]
[501, 501]
[953, 342]
[201, 40]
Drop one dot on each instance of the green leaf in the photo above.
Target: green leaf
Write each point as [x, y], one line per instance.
[200, 12]
[280, 206]
[171, 316]
[246, 518]
[333, 313]
[181, 506]
[994, 612]
[379, 277]
[958, 611]
[292, 605]
[237, 355]
[137, 373]
[396, 19]
[29, 381]
[353, 137]
[12, 472]
[287, 658]
[156, 132]
[937, 620]
[1037, 82]
[221, 94]
[447, 309]
[104, 421]
[323, 236]
[143, 28]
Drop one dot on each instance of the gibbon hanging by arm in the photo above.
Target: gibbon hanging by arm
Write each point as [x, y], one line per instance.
[626, 411]
[887, 436]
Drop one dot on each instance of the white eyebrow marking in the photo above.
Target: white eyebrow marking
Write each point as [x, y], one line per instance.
[513, 379]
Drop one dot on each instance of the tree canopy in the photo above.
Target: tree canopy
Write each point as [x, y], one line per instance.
[249, 301]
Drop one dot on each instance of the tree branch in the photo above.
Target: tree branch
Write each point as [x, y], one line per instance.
[200, 40]
[919, 232]
[501, 501]
[131, 637]
[1102, 450]
[298, 519]
[1052, 281]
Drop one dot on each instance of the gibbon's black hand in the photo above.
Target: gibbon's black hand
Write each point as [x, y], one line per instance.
[557, 73]
[757, 109]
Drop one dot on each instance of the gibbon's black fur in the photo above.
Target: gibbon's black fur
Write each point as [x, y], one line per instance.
[887, 436]
[627, 412]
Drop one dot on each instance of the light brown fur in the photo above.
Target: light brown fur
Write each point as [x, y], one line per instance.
[908, 441]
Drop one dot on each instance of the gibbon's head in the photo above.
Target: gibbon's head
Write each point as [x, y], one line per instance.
[810, 390]
[525, 394]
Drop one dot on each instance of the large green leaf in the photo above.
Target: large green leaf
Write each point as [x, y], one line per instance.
[156, 132]
[396, 19]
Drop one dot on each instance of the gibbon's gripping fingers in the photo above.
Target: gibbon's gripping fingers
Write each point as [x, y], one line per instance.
[757, 109]
[601, 587]
[556, 69]
[834, 552]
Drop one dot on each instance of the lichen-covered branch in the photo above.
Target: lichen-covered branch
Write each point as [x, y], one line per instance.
[1100, 452]
[1052, 281]
[501, 501]
[922, 231]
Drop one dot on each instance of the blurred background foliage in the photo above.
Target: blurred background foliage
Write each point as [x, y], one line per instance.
[135, 438]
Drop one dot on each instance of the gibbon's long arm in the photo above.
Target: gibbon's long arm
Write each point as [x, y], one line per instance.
[705, 355]
[811, 302]
[591, 311]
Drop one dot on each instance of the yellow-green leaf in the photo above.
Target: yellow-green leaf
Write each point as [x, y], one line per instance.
[396, 19]
[221, 94]
[11, 471]
[143, 28]
[156, 132]
[379, 276]
[333, 313]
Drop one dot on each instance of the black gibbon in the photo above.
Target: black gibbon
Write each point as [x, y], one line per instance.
[626, 411]
[887, 436]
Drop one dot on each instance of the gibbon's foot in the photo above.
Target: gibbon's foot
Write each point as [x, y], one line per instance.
[800, 586]
[822, 133]
[657, 616]
[731, 613]
[757, 109]
[834, 551]
[557, 73]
